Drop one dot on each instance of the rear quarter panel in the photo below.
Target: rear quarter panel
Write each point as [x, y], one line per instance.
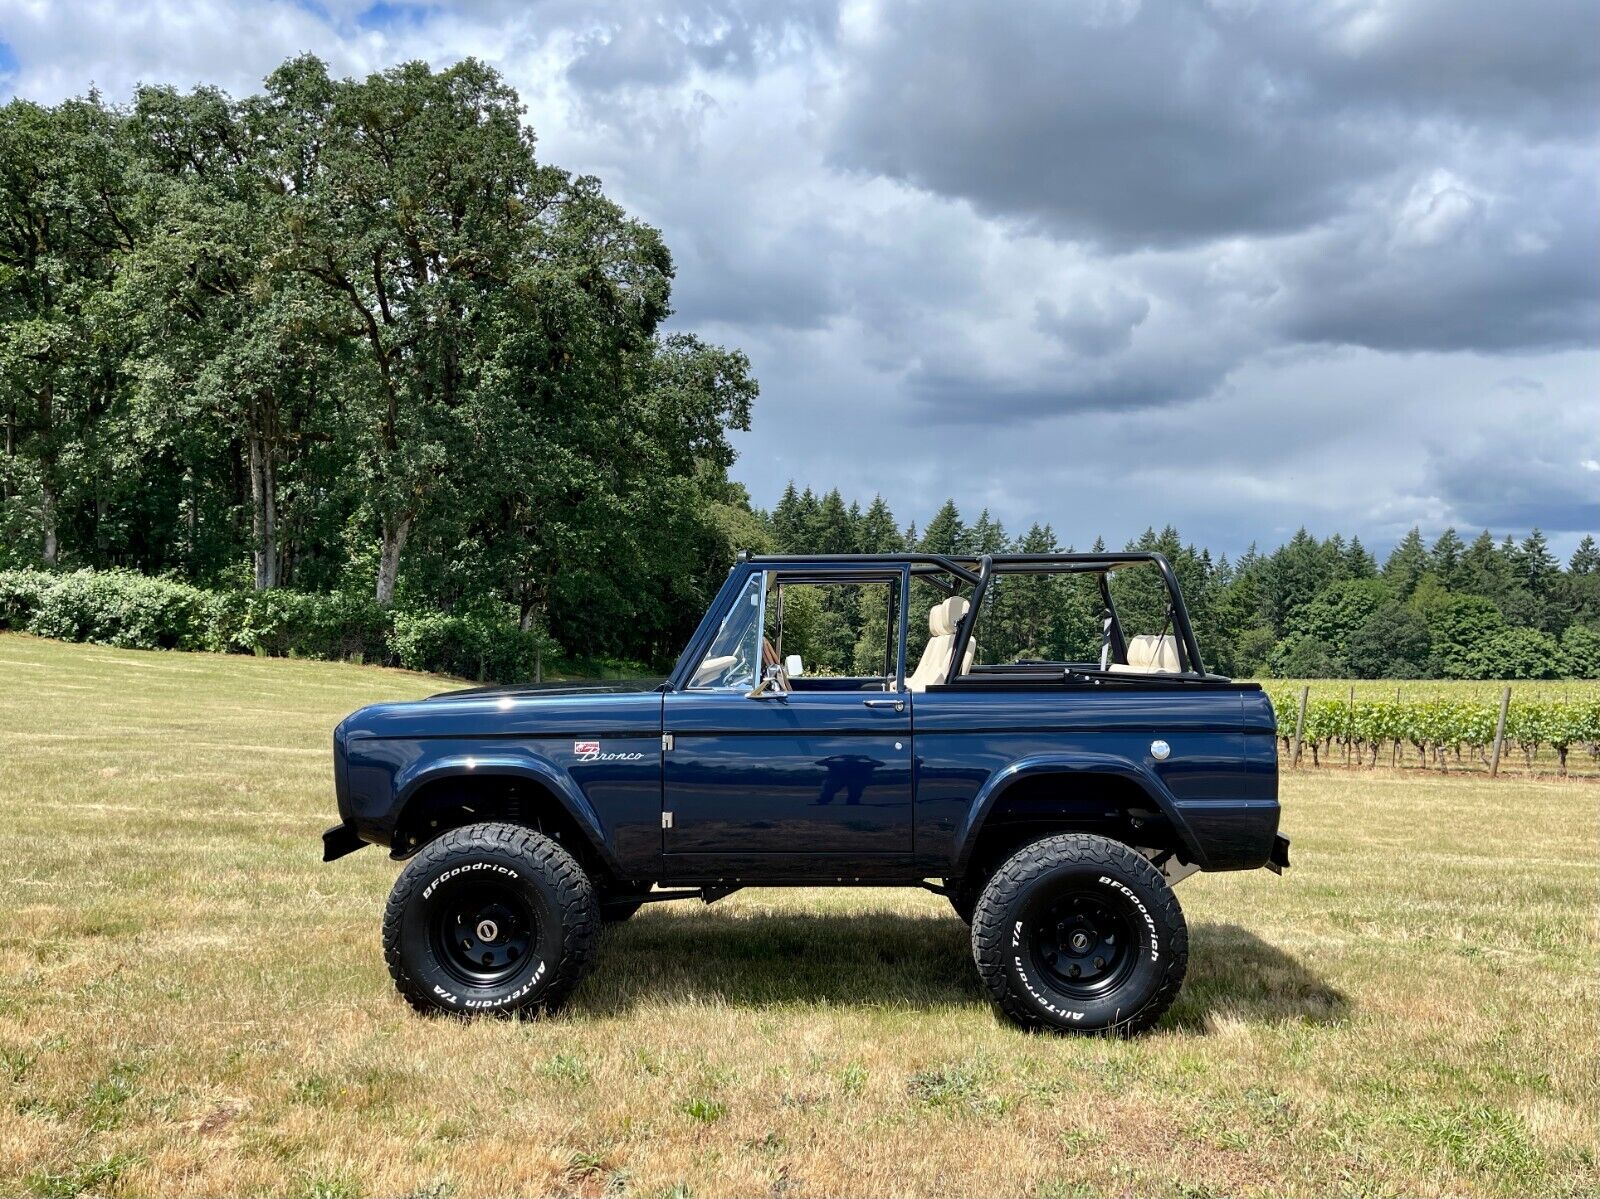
[1222, 774]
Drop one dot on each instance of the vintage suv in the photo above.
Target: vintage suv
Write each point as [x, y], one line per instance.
[1054, 803]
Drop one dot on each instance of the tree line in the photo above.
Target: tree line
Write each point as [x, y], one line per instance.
[343, 367]
[1310, 608]
[354, 337]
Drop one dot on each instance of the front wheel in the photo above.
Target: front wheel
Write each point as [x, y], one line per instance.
[1078, 933]
[490, 918]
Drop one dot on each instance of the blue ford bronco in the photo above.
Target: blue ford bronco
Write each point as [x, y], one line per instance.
[1055, 803]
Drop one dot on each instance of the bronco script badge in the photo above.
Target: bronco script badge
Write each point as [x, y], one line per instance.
[589, 751]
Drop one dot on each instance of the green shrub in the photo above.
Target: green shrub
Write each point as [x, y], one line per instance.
[281, 624]
[119, 607]
[21, 592]
[475, 645]
[1522, 654]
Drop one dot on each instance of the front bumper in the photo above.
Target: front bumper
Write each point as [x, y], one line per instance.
[1279, 861]
[340, 840]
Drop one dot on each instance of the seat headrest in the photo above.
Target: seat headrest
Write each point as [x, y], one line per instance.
[945, 617]
[1152, 653]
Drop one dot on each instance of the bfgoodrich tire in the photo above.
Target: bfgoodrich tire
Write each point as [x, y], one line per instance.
[1078, 933]
[490, 918]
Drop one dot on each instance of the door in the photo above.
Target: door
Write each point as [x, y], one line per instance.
[813, 772]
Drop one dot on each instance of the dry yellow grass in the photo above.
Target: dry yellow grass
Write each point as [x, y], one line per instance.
[192, 1004]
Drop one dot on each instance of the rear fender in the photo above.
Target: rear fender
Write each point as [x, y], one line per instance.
[1076, 764]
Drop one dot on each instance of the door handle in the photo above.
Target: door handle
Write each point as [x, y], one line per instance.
[899, 705]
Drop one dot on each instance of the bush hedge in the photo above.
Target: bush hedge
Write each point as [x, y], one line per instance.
[134, 611]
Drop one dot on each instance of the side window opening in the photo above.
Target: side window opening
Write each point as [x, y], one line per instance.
[1121, 620]
[841, 630]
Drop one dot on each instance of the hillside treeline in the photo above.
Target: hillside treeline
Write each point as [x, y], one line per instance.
[343, 368]
[351, 338]
[1310, 608]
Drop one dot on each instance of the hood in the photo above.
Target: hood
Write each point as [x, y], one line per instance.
[567, 687]
[611, 707]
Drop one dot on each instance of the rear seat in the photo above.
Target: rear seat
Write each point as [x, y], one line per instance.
[1149, 654]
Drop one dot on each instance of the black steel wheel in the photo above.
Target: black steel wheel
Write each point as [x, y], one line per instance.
[1079, 933]
[1081, 940]
[490, 918]
[482, 930]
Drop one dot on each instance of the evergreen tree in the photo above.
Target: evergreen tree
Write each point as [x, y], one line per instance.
[1586, 558]
[1291, 575]
[987, 536]
[945, 533]
[1536, 565]
[1358, 563]
[833, 532]
[879, 533]
[1485, 571]
[1407, 564]
[788, 523]
[1444, 560]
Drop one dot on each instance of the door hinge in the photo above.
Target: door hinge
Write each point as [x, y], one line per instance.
[666, 742]
[666, 820]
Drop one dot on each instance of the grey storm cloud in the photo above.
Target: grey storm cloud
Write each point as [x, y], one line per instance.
[1536, 476]
[1171, 122]
[1233, 264]
[1093, 324]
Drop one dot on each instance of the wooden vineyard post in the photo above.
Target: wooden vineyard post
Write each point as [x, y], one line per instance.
[1299, 726]
[1394, 748]
[1350, 731]
[1499, 733]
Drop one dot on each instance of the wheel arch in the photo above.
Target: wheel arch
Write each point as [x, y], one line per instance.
[463, 789]
[1119, 782]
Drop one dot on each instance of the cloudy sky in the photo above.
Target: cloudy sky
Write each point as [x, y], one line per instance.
[1237, 265]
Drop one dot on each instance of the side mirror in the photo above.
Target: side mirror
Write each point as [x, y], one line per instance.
[793, 666]
[770, 686]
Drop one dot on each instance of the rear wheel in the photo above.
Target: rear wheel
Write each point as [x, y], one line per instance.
[490, 918]
[1080, 933]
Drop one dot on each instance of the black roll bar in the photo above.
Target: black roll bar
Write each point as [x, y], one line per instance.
[976, 571]
[964, 630]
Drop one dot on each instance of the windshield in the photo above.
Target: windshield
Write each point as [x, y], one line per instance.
[733, 661]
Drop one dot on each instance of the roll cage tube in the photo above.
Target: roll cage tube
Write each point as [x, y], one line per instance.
[964, 633]
[962, 569]
[991, 564]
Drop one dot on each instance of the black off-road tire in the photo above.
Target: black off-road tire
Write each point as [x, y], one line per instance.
[1079, 933]
[490, 918]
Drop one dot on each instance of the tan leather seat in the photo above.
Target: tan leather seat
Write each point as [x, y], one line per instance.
[1149, 654]
[943, 620]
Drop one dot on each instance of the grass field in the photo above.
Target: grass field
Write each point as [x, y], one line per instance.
[191, 1003]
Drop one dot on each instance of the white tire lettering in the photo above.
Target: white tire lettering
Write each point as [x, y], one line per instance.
[428, 891]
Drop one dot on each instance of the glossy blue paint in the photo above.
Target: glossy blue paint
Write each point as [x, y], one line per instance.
[833, 784]
[393, 751]
[826, 772]
[967, 737]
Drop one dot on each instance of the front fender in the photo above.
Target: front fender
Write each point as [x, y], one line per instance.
[510, 762]
[1141, 776]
